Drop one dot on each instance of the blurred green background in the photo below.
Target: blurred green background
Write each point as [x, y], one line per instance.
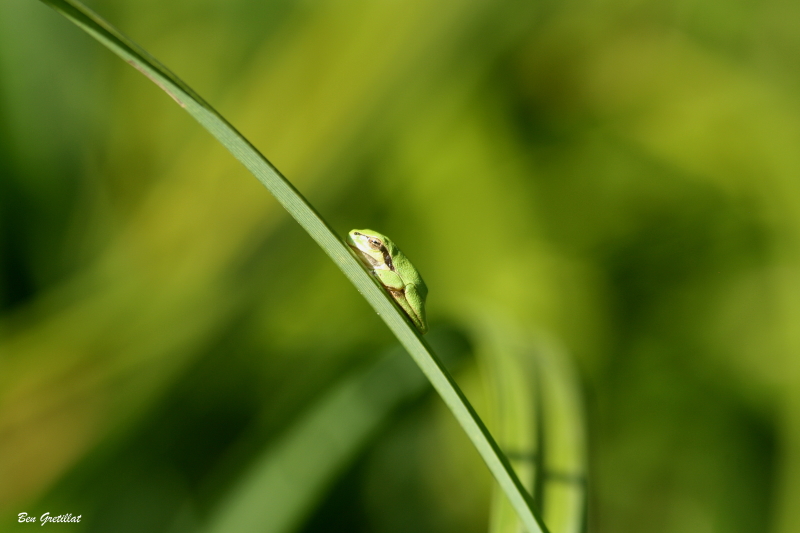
[620, 176]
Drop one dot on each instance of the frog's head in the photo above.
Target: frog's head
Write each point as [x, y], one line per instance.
[369, 243]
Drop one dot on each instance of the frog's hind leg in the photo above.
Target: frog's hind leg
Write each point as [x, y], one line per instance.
[400, 298]
[417, 303]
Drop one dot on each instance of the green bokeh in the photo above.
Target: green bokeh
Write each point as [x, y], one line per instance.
[621, 176]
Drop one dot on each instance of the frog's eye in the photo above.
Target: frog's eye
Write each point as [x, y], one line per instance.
[375, 243]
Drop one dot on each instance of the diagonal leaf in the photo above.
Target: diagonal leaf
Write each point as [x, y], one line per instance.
[312, 222]
[286, 479]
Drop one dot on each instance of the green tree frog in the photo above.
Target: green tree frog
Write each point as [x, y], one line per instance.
[384, 259]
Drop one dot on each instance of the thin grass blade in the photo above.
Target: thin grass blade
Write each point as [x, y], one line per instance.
[538, 418]
[321, 232]
[285, 481]
[564, 475]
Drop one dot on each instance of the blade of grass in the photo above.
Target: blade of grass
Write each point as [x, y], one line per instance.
[285, 481]
[563, 432]
[515, 415]
[538, 420]
[320, 231]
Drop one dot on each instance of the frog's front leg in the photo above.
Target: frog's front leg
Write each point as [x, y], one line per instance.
[390, 279]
